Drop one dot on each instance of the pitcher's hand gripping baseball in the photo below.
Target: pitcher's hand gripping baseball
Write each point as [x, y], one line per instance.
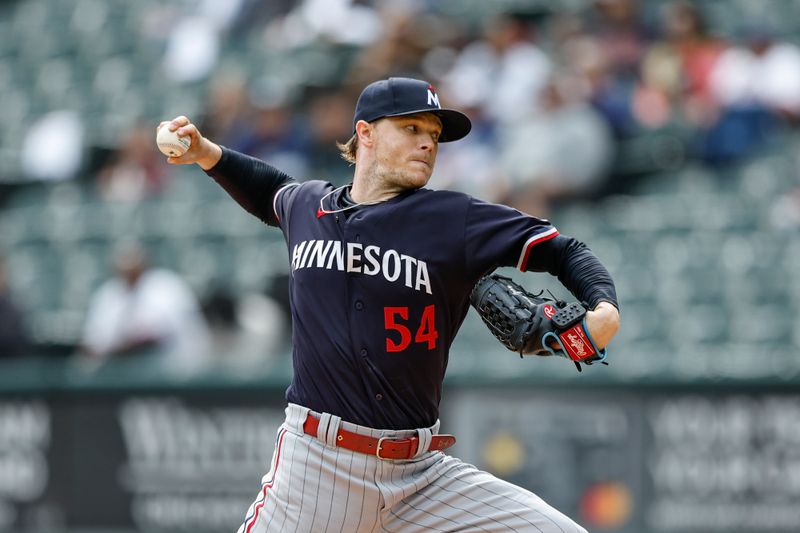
[532, 324]
[181, 135]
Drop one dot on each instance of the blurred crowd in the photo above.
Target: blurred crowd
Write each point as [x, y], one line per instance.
[553, 95]
[537, 85]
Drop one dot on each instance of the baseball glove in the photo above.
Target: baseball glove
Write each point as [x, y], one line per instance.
[533, 324]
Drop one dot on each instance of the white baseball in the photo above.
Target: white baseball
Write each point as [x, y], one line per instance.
[170, 144]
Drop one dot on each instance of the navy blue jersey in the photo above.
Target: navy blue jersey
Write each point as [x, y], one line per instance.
[378, 296]
[378, 292]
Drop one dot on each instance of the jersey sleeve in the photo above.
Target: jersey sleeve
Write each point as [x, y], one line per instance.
[254, 184]
[282, 201]
[497, 235]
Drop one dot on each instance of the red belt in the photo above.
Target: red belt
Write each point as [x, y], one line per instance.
[384, 447]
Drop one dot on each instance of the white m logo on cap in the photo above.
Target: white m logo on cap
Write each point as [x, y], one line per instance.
[433, 98]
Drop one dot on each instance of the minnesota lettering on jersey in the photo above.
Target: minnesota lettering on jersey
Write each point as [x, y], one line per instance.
[369, 260]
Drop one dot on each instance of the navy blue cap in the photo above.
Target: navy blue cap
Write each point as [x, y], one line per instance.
[405, 96]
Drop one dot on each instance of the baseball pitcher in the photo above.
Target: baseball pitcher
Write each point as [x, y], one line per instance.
[383, 272]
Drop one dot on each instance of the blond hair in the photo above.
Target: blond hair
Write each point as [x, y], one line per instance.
[348, 150]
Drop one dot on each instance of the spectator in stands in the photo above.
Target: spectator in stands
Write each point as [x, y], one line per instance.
[248, 328]
[13, 332]
[676, 70]
[470, 165]
[761, 72]
[145, 310]
[755, 85]
[618, 28]
[400, 51]
[228, 106]
[603, 50]
[271, 130]
[330, 120]
[534, 159]
[342, 22]
[135, 171]
[505, 72]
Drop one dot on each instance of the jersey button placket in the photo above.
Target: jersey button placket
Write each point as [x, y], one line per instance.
[352, 233]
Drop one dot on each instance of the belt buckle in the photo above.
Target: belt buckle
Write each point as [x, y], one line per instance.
[379, 448]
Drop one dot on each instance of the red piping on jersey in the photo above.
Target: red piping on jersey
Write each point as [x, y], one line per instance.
[252, 521]
[536, 239]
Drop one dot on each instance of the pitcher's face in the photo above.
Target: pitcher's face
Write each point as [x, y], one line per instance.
[406, 148]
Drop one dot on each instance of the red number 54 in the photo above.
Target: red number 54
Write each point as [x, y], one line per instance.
[426, 333]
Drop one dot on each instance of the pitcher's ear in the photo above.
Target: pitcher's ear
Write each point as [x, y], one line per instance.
[365, 132]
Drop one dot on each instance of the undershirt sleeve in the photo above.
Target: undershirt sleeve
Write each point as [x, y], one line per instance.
[577, 268]
[251, 182]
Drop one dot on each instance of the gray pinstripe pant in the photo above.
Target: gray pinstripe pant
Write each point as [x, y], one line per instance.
[313, 486]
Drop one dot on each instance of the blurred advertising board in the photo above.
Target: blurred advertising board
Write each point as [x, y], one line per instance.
[617, 460]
